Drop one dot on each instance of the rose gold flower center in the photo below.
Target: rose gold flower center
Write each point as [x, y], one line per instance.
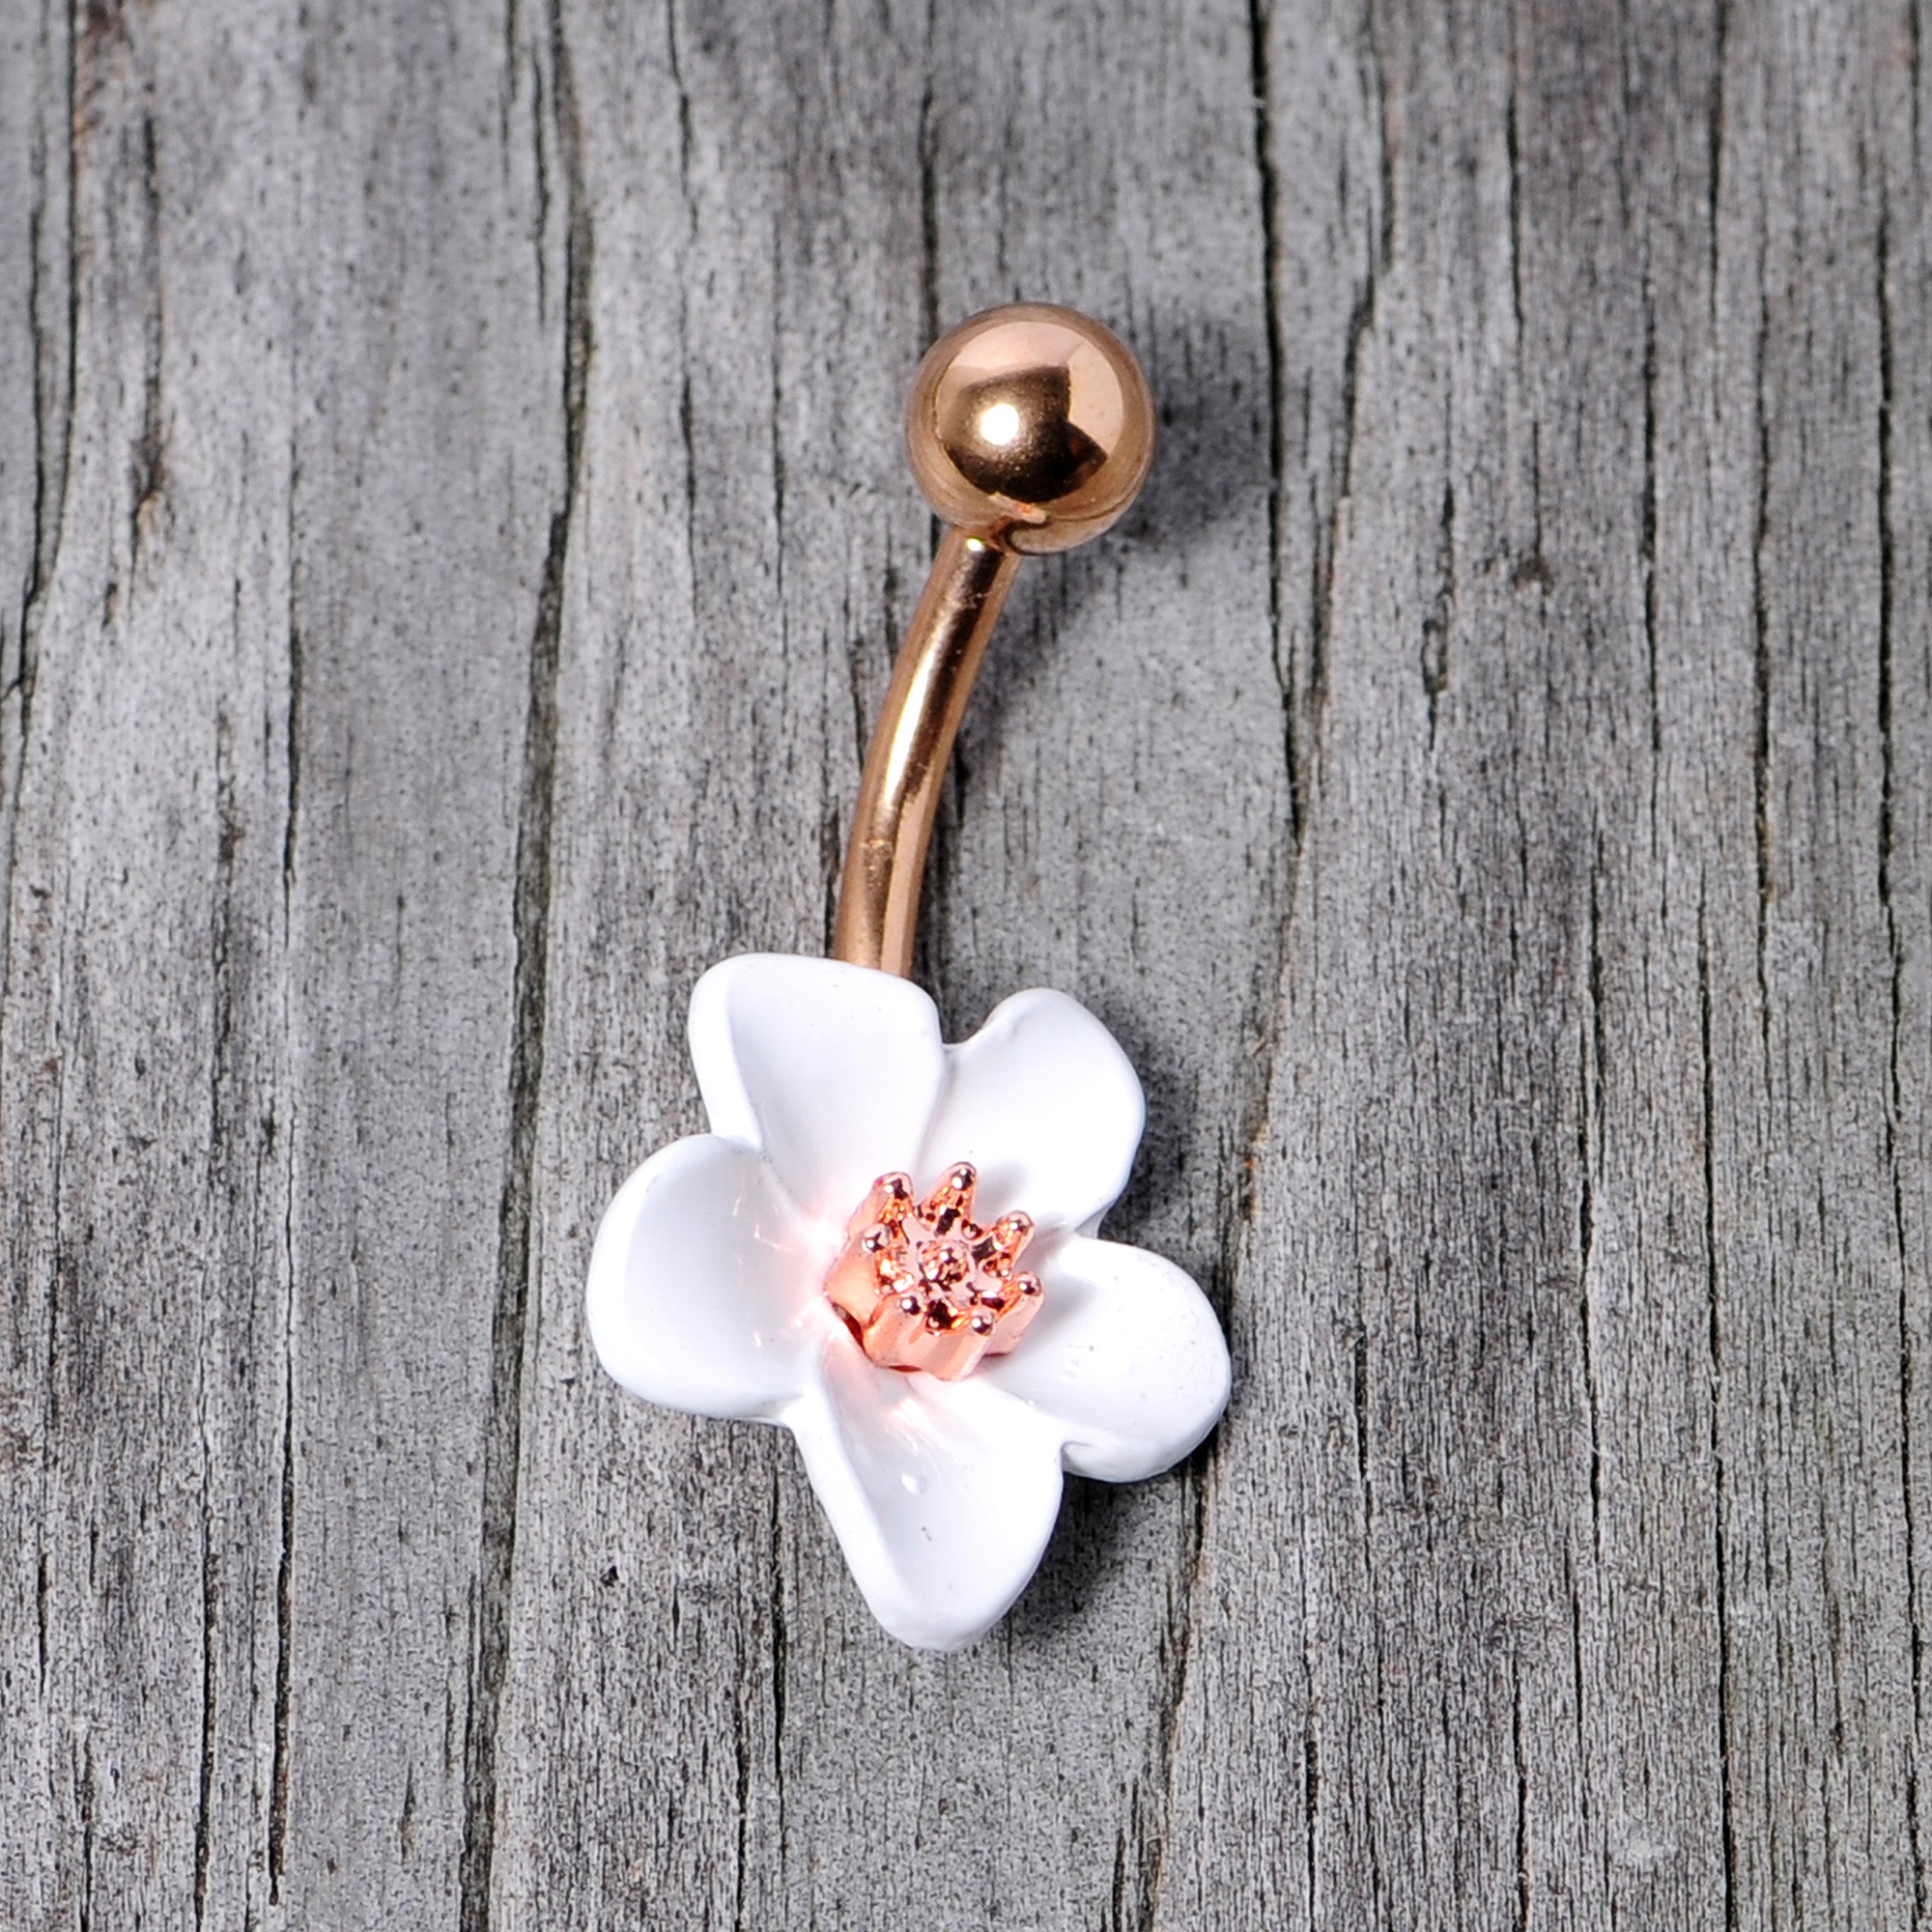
[923, 1286]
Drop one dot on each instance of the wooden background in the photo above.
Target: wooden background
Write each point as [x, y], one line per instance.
[452, 537]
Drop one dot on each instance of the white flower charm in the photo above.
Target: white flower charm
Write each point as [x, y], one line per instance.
[833, 1101]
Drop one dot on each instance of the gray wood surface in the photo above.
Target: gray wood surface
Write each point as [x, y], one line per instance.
[452, 539]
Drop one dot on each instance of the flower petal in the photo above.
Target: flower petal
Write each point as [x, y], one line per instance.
[832, 1069]
[1124, 1357]
[704, 1281]
[1046, 1106]
[942, 1494]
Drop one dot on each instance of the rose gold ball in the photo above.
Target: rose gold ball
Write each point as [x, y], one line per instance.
[1031, 426]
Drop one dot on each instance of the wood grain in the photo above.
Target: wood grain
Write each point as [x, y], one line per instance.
[455, 535]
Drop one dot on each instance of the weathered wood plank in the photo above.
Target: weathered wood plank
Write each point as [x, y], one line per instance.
[1812, 1270]
[261, 964]
[1902, 636]
[1126, 739]
[144, 980]
[428, 459]
[1605, 1518]
[455, 535]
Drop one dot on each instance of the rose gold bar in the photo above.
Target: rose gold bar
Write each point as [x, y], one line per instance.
[906, 767]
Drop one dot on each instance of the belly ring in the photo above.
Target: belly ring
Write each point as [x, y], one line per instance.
[888, 1245]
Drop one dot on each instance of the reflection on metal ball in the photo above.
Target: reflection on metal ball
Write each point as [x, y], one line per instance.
[1030, 426]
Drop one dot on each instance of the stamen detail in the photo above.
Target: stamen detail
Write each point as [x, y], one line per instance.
[923, 1286]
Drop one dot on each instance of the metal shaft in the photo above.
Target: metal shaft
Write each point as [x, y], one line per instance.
[932, 677]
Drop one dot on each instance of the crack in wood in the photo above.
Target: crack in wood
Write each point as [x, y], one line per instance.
[531, 903]
[1719, 1513]
[1761, 661]
[1896, 1110]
